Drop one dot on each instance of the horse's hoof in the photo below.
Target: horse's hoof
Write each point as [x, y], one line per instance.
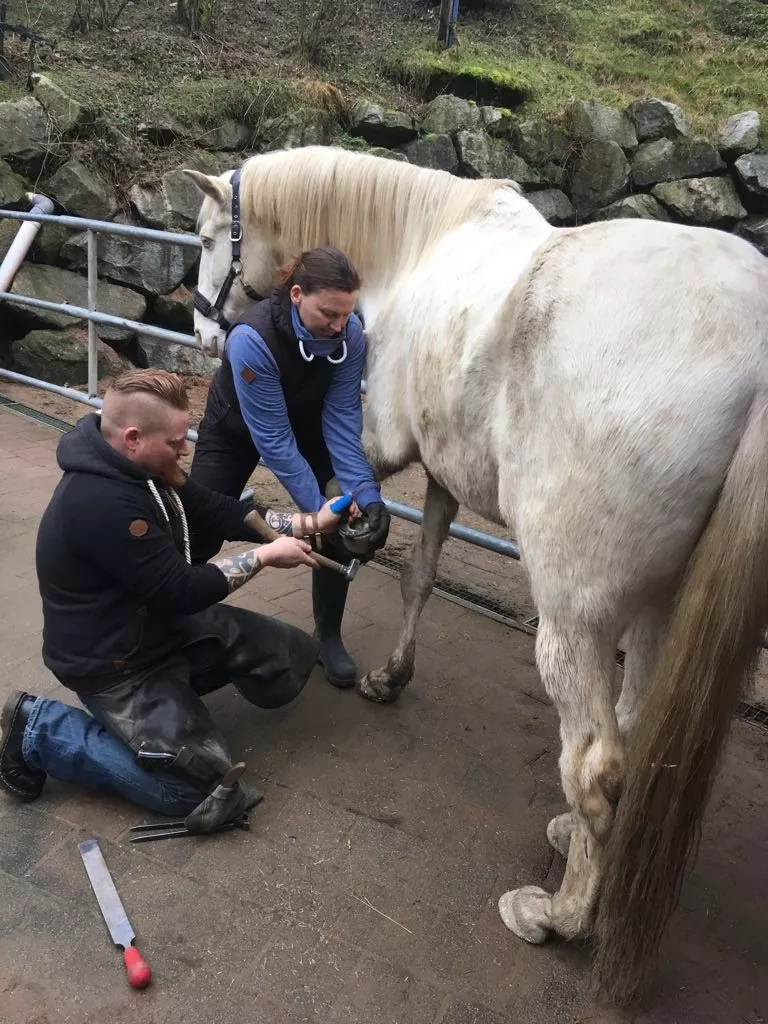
[378, 686]
[526, 912]
[559, 833]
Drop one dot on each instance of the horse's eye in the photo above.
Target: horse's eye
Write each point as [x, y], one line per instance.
[207, 242]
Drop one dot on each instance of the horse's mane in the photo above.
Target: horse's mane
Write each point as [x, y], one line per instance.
[382, 213]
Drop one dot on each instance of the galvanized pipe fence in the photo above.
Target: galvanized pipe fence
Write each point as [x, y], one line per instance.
[94, 316]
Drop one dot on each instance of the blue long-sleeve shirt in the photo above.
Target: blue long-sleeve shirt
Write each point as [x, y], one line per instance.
[263, 407]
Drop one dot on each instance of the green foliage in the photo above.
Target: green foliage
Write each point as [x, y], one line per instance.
[532, 56]
[126, 99]
[353, 142]
[472, 74]
[209, 102]
[706, 55]
[745, 18]
[652, 34]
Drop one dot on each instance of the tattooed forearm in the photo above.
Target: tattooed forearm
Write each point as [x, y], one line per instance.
[239, 568]
[280, 521]
[271, 525]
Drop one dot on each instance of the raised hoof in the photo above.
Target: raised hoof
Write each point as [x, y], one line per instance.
[378, 686]
[526, 912]
[559, 833]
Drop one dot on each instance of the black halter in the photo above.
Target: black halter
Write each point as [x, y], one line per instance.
[213, 311]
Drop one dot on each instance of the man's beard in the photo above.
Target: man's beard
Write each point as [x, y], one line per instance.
[175, 476]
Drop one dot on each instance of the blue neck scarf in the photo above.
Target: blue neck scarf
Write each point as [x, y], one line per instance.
[320, 347]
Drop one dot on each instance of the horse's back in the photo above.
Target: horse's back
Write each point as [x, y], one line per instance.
[646, 345]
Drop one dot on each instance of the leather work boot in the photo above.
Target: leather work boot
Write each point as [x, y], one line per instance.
[329, 596]
[16, 776]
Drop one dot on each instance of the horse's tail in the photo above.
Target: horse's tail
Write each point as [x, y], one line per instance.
[709, 650]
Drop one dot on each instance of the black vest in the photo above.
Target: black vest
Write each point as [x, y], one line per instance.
[304, 384]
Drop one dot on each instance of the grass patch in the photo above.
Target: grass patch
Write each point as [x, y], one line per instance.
[473, 73]
[203, 104]
[745, 18]
[707, 56]
[353, 142]
[533, 56]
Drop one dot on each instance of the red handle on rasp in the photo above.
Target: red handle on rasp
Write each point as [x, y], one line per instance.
[139, 972]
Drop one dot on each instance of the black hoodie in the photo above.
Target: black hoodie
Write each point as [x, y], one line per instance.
[111, 568]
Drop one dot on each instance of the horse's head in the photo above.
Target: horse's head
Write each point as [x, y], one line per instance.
[235, 270]
[383, 214]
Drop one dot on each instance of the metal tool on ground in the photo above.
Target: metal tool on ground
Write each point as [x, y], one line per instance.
[267, 533]
[216, 813]
[172, 829]
[139, 973]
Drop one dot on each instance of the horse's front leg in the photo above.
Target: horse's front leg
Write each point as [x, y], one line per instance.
[416, 581]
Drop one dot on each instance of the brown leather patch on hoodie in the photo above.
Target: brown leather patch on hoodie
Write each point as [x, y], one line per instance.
[139, 528]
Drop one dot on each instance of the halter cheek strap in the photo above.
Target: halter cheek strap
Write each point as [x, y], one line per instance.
[214, 310]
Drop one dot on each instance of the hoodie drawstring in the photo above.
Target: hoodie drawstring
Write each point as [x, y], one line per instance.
[179, 508]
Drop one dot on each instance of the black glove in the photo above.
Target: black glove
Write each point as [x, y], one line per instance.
[378, 520]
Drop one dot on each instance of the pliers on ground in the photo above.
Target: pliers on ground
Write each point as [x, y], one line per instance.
[172, 829]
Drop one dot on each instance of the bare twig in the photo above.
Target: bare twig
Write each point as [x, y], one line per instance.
[367, 903]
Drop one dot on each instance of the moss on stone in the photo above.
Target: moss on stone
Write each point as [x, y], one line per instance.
[475, 78]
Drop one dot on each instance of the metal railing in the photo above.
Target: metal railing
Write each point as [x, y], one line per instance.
[458, 531]
[93, 317]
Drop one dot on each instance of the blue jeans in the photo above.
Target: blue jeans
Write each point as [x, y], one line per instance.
[68, 744]
[158, 712]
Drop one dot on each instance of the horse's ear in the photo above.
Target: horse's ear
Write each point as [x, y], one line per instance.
[217, 189]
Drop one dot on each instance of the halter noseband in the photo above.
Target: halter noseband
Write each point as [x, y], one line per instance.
[214, 311]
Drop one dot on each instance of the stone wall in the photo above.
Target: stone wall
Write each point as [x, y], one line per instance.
[591, 163]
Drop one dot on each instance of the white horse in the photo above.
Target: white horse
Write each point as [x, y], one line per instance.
[602, 391]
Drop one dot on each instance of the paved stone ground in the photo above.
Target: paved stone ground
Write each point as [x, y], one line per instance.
[366, 890]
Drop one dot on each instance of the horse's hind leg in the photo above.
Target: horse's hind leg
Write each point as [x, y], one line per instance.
[416, 582]
[559, 833]
[642, 644]
[643, 640]
[577, 665]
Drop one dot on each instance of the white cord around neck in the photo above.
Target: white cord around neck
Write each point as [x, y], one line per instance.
[309, 356]
[179, 508]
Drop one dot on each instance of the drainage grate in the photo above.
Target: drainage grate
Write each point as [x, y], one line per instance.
[757, 714]
[34, 414]
[459, 594]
